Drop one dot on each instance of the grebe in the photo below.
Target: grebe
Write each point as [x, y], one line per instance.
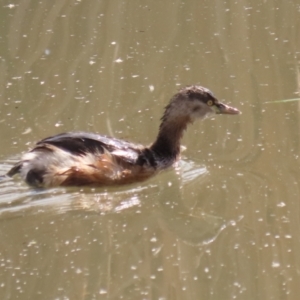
[79, 158]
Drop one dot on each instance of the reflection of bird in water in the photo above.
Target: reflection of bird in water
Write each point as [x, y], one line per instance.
[78, 158]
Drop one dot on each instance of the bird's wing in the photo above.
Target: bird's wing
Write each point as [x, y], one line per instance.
[81, 143]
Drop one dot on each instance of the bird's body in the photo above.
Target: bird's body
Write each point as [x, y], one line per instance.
[79, 158]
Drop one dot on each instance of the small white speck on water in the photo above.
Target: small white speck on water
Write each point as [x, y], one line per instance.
[275, 264]
[10, 6]
[26, 131]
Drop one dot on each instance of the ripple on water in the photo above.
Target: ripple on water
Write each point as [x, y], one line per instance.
[17, 199]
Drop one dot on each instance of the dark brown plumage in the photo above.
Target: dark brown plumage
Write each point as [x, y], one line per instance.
[78, 158]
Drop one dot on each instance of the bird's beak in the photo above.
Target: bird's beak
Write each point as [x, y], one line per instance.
[225, 109]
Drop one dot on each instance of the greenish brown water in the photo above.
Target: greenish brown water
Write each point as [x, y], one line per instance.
[224, 224]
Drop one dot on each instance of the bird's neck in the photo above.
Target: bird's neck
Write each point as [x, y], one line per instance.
[166, 147]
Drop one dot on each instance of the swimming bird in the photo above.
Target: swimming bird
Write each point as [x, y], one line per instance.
[79, 158]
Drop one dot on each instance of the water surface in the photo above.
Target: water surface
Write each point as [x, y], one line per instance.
[224, 223]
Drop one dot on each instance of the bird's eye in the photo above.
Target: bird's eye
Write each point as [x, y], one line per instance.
[209, 102]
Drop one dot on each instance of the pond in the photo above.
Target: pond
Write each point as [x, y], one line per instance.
[221, 224]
